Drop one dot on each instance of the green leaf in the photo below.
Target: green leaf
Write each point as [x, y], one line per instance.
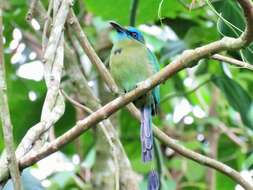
[247, 54]
[233, 15]
[224, 182]
[176, 164]
[194, 171]
[199, 35]
[236, 96]
[147, 10]
[250, 115]
[248, 162]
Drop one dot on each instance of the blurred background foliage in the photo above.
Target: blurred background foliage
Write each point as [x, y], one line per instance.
[198, 104]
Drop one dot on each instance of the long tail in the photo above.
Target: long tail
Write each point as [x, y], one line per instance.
[153, 181]
[146, 133]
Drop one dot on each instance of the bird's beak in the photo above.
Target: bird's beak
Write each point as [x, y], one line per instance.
[117, 27]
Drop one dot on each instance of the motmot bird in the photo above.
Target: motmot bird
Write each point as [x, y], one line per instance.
[131, 62]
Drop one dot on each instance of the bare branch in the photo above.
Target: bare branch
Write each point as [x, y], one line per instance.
[119, 102]
[54, 105]
[46, 25]
[232, 61]
[228, 171]
[5, 118]
[75, 103]
[247, 35]
[102, 113]
[187, 57]
[181, 62]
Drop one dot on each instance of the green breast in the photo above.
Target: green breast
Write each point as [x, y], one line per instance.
[130, 64]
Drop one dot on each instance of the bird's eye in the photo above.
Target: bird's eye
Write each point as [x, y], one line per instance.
[134, 35]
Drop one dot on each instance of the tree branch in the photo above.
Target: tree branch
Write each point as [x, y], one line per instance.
[247, 35]
[53, 106]
[106, 134]
[73, 21]
[181, 62]
[213, 139]
[123, 173]
[228, 171]
[46, 25]
[75, 103]
[104, 112]
[232, 61]
[5, 117]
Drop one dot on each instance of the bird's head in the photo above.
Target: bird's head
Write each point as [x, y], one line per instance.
[127, 33]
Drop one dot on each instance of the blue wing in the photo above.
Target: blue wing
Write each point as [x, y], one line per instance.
[156, 67]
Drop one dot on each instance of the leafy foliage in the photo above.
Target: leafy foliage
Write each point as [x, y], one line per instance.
[237, 97]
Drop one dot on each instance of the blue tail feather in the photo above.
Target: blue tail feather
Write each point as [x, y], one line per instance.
[153, 181]
[146, 133]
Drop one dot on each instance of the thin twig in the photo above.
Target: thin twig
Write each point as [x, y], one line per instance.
[133, 12]
[232, 61]
[45, 28]
[72, 20]
[77, 49]
[5, 117]
[77, 104]
[213, 139]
